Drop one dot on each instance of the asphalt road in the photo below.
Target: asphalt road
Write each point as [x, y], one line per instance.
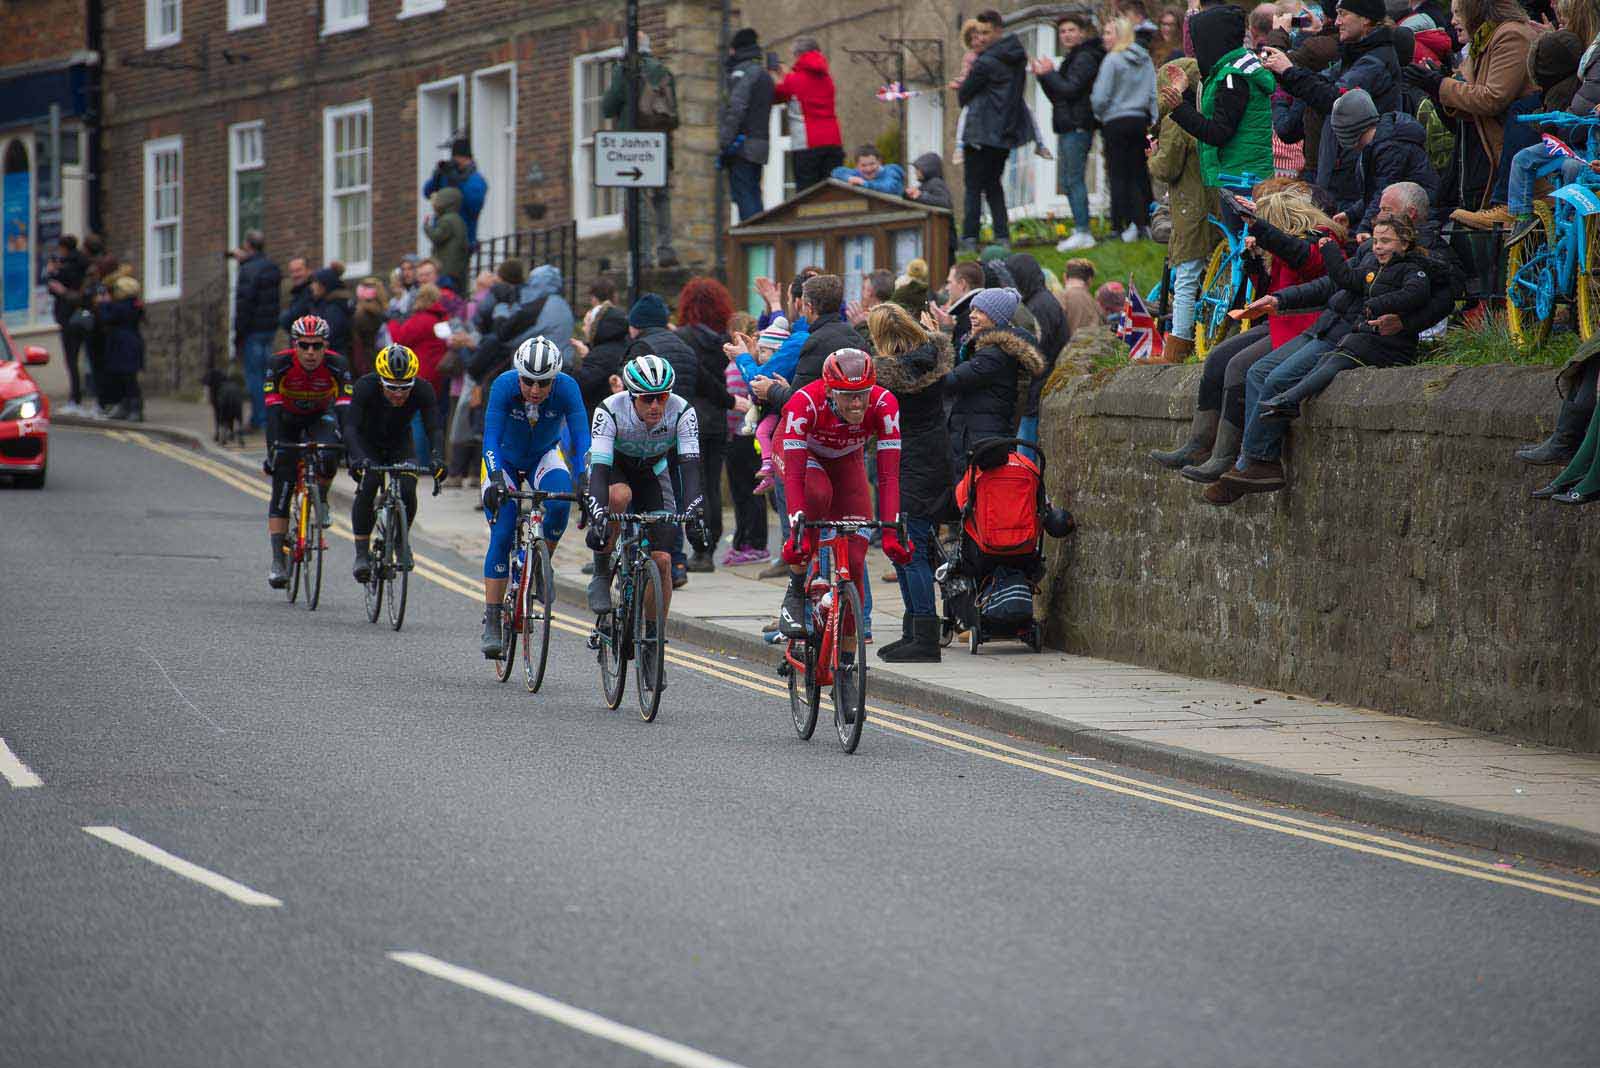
[703, 887]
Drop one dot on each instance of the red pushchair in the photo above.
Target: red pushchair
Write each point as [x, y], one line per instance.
[988, 581]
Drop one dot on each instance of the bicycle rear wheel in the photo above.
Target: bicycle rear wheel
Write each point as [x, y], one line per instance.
[649, 640]
[850, 676]
[805, 695]
[397, 579]
[316, 542]
[295, 543]
[538, 605]
[1217, 291]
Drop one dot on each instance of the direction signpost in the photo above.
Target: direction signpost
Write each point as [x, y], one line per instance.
[630, 160]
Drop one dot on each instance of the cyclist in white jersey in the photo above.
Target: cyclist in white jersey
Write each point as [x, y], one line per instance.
[636, 439]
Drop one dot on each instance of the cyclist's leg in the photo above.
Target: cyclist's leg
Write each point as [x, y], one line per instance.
[361, 520]
[552, 476]
[852, 496]
[619, 496]
[652, 491]
[502, 535]
[283, 478]
[819, 504]
[325, 431]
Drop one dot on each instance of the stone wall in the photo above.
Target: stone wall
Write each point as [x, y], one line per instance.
[1404, 569]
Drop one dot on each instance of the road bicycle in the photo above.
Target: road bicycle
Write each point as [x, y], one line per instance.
[1225, 285]
[307, 541]
[389, 553]
[1554, 260]
[636, 627]
[529, 603]
[833, 651]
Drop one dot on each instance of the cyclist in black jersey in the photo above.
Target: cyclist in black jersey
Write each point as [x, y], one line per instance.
[307, 392]
[378, 431]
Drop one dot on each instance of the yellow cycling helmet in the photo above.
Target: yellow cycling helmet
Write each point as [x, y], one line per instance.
[396, 365]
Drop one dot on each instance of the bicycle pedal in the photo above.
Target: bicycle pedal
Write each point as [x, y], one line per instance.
[785, 669]
[594, 639]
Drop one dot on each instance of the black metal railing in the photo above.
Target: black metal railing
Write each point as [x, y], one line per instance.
[557, 246]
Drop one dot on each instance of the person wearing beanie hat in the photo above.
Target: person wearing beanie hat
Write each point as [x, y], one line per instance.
[1381, 150]
[911, 288]
[1354, 114]
[648, 311]
[742, 121]
[767, 342]
[1367, 61]
[461, 172]
[993, 376]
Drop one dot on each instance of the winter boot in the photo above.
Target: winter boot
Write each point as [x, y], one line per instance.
[905, 637]
[1223, 455]
[1175, 350]
[493, 648]
[923, 648]
[1562, 445]
[1202, 432]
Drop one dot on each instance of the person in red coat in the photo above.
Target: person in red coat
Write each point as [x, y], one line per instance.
[811, 84]
[426, 331]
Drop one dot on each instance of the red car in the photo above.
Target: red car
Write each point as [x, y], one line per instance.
[24, 414]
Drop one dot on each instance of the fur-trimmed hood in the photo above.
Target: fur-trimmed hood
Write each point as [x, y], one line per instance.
[919, 369]
[1013, 345]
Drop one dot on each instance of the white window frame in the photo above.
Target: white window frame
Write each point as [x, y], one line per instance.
[330, 215]
[239, 19]
[410, 9]
[458, 82]
[588, 225]
[153, 289]
[236, 166]
[336, 23]
[503, 189]
[153, 37]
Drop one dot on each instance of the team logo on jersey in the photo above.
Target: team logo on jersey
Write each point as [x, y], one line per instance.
[891, 423]
[794, 423]
[530, 412]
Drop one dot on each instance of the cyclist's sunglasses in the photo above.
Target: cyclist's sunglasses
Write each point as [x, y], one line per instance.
[310, 346]
[653, 399]
[398, 387]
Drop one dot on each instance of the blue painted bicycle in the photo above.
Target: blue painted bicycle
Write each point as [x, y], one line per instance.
[1554, 259]
[1225, 284]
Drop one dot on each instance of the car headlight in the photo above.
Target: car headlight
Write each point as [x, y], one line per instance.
[24, 407]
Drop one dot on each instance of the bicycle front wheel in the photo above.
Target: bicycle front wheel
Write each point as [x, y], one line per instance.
[613, 632]
[850, 675]
[538, 605]
[295, 542]
[649, 640]
[805, 695]
[316, 542]
[396, 547]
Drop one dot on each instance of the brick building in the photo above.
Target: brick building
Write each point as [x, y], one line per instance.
[48, 67]
[318, 121]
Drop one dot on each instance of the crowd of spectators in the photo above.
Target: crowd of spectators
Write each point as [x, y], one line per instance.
[96, 302]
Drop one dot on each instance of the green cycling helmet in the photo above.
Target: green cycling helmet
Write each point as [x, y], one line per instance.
[648, 374]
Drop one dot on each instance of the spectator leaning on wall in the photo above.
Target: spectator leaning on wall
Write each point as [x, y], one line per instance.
[870, 172]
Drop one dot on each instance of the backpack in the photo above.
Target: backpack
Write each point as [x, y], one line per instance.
[658, 99]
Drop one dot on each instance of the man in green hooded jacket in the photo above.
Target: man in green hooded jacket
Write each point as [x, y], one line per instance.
[1233, 122]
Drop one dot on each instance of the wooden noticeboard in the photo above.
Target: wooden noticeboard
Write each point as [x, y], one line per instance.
[844, 230]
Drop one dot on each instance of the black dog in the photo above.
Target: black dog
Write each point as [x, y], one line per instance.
[227, 405]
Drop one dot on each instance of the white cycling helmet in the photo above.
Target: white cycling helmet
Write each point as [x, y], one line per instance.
[537, 359]
[648, 374]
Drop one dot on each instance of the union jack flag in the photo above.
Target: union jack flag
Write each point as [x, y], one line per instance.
[895, 91]
[1138, 328]
[1558, 148]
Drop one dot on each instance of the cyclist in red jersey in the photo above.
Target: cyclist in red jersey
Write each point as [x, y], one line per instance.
[822, 435]
[308, 392]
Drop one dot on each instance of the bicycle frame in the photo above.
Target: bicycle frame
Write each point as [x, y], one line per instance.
[1211, 304]
[303, 479]
[529, 532]
[823, 593]
[632, 550]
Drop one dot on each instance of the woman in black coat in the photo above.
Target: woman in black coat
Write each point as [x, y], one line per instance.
[605, 355]
[912, 364]
[993, 378]
[121, 313]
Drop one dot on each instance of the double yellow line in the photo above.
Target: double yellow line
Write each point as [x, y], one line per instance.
[961, 741]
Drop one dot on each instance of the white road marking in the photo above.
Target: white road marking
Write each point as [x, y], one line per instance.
[156, 855]
[662, 1049]
[18, 774]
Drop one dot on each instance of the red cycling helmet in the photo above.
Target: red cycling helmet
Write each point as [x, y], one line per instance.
[309, 326]
[849, 370]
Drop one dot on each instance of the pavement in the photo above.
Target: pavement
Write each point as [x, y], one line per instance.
[237, 832]
[1413, 775]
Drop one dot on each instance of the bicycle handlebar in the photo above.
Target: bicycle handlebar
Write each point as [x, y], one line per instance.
[1560, 118]
[1244, 180]
[538, 496]
[650, 517]
[398, 469]
[309, 446]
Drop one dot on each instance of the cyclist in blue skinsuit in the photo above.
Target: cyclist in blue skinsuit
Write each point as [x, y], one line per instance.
[528, 407]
